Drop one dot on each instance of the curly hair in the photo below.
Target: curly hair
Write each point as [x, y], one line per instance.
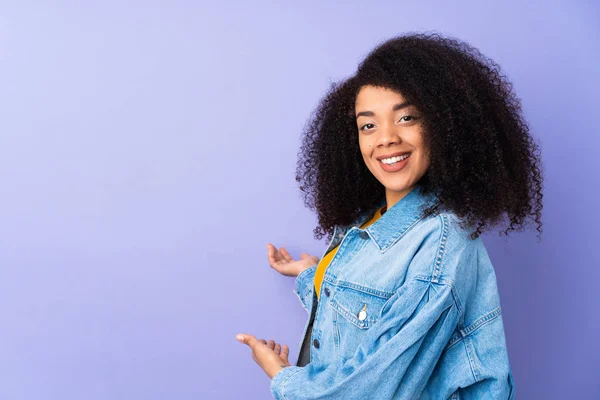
[484, 165]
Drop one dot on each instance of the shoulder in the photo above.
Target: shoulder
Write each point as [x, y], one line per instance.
[447, 254]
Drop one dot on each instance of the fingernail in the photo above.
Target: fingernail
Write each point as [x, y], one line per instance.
[239, 337]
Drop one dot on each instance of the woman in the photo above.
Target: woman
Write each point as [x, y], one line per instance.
[406, 163]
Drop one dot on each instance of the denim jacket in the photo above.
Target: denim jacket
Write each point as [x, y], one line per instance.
[408, 309]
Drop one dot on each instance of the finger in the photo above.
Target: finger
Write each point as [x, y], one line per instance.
[271, 344]
[263, 341]
[271, 254]
[285, 352]
[286, 255]
[274, 256]
[277, 349]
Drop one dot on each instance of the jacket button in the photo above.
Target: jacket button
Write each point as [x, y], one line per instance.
[326, 292]
[316, 343]
[363, 235]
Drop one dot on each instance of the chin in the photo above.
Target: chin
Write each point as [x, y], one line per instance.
[396, 187]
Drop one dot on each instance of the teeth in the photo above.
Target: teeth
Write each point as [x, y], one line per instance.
[394, 160]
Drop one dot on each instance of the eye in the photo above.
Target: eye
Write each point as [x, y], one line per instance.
[407, 116]
[362, 128]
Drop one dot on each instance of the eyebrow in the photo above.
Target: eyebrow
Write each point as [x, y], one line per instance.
[395, 108]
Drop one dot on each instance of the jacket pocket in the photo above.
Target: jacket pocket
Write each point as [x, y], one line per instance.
[361, 306]
[354, 310]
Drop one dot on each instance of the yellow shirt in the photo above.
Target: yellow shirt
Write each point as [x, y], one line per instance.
[326, 260]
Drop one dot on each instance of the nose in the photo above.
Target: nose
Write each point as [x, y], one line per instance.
[388, 135]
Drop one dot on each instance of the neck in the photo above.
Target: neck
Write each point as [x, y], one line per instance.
[392, 197]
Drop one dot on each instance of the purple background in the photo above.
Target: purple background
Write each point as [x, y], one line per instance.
[147, 156]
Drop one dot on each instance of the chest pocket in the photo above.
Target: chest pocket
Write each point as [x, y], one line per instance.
[355, 311]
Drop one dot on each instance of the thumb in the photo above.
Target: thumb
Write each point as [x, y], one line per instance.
[246, 339]
[304, 256]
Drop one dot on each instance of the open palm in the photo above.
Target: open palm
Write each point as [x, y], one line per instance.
[282, 262]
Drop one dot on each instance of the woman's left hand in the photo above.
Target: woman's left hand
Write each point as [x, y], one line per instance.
[270, 356]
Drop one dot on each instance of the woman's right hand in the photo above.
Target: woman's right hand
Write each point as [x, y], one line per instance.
[282, 262]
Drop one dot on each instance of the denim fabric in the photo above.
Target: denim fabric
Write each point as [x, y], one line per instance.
[408, 309]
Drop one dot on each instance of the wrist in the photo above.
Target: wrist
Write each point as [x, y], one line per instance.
[301, 271]
[276, 370]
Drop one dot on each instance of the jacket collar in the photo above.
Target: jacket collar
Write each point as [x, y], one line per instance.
[392, 225]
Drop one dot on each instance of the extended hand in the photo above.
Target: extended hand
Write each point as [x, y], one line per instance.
[282, 262]
[270, 356]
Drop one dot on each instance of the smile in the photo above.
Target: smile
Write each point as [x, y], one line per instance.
[393, 160]
[394, 164]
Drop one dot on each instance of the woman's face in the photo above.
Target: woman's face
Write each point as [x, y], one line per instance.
[390, 140]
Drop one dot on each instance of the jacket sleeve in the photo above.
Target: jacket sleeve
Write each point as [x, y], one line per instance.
[305, 287]
[396, 356]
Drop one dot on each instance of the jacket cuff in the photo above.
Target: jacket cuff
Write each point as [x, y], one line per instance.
[305, 284]
[280, 379]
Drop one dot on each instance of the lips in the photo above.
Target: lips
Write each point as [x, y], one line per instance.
[394, 167]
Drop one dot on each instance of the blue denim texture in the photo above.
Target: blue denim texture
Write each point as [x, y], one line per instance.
[431, 326]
